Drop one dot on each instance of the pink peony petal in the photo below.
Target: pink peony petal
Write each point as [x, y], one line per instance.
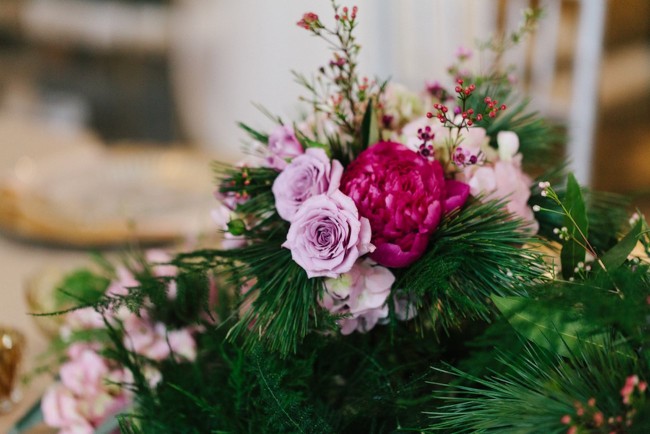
[457, 193]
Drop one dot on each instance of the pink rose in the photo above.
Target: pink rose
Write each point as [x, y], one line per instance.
[308, 175]
[283, 145]
[327, 235]
[85, 374]
[361, 293]
[403, 196]
[61, 410]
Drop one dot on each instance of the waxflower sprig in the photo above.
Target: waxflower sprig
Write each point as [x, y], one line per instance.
[337, 91]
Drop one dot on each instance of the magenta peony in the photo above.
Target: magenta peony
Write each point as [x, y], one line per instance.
[308, 175]
[327, 235]
[403, 196]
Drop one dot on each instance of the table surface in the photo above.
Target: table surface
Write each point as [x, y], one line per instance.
[25, 138]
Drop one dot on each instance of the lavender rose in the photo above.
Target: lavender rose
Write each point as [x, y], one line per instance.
[307, 175]
[327, 235]
[404, 196]
[282, 145]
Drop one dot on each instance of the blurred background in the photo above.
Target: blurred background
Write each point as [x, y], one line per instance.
[111, 110]
[185, 71]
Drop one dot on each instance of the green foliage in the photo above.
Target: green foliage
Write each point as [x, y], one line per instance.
[82, 285]
[606, 212]
[369, 127]
[473, 254]
[538, 139]
[284, 307]
[333, 384]
[533, 390]
[253, 133]
[617, 255]
[575, 220]
[548, 325]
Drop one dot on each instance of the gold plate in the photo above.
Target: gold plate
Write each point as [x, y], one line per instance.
[108, 197]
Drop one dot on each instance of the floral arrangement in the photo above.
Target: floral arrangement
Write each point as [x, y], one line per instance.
[388, 265]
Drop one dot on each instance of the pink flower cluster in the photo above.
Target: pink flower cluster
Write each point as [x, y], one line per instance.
[590, 417]
[85, 396]
[632, 383]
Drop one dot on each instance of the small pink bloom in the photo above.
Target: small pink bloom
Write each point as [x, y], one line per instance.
[82, 319]
[566, 419]
[125, 280]
[309, 21]
[182, 344]
[283, 146]
[327, 235]
[159, 260]
[155, 342]
[60, 408]
[84, 375]
[504, 180]
[361, 293]
[308, 175]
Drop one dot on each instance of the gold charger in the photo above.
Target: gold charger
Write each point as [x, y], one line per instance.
[109, 196]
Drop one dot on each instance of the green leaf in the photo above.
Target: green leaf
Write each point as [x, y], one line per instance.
[556, 329]
[80, 285]
[616, 256]
[576, 222]
[255, 135]
[309, 143]
[369, 127]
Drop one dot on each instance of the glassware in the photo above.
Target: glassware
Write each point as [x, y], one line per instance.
[12, 346]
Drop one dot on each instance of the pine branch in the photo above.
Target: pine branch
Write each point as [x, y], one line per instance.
[474, 253]
[533, 391]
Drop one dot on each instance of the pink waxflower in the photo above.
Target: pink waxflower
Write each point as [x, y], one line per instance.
[361, 294]
[310, 21]
[308, 175]
[403, 196]
[327, 235]
[283, 145]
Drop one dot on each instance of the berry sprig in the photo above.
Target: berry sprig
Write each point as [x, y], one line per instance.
[468, 115]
